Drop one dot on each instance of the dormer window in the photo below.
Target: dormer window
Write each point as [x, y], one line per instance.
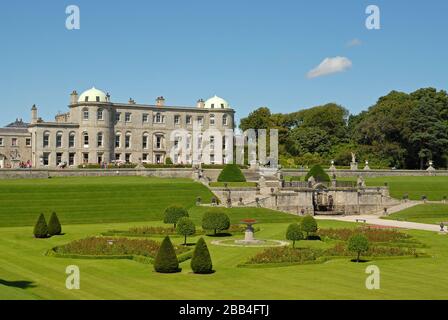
[97, 99]
[213, 106]
[222, 105]
[86, 99]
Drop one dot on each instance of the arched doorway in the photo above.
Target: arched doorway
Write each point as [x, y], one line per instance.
[322, 201]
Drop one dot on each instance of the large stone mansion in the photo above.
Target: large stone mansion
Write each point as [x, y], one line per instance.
[96, 130]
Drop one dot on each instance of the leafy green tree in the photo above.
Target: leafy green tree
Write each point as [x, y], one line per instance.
[201, 261]
[258, 119]
[358, 243]
[166, 259]
[41, 228]
[294, 233]
[174, 213]
[168, 160]
[318, 173]
[216, 221]
[185, 227]
[308, 140]
[54, 226]
[308, 225]
[231, 173]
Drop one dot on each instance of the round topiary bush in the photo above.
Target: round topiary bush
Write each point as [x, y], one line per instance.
[231, 173]
[318, 173]
[41, 228]
[166, 259]
[201, 261]
[173, 214]
[185, 227]
[54, 226]
[216, 221]
[358, 243]
[168, 160]
[294, 233]
[308, 225]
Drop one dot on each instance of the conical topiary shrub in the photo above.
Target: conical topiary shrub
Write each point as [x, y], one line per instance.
[318, 173]
[201, 261]
[231, 173]
[54, 226]
[41, 228]
[166, 259]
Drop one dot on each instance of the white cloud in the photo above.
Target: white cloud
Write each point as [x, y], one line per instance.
[329, 66]
[354, 42]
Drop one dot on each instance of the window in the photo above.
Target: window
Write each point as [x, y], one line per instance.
[59, 140]
[14, 142]
[99, 114]
[46, 139]
[145, 117]
[158, 142]
[213, 106]
[1, 142]
[28, 142]
[222, 105]
[127, 157]
[86, 99]
[212, 119]
[45, 158]
[85, 113]
[71, 140]
[127, 141]
[224, 143]
[224, 120]
[176, 119]
[158, 158]
[145, 141]
[145, 157]
[85, 137]
[97, 99]
[58, 158]
[117, 116]
[100, 139]
[212, 142]
[200, 142]
[85, 157]
[158, 118]
[188, 119]
[117, 156]
[118, 140]
[127, 117]
[212, 159]
[200, 120]
[99, 158]
[71, 159]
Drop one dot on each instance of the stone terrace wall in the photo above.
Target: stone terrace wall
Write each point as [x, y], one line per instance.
[369, 173]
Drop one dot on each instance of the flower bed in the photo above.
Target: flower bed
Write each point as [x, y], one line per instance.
[103, 246]
[285, 255]
[373, 235]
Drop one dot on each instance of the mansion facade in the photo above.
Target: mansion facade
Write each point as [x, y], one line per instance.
[98, 131]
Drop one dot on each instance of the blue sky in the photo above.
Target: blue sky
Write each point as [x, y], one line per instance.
[252, 53]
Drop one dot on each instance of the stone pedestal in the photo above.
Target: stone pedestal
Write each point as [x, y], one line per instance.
[353, 165]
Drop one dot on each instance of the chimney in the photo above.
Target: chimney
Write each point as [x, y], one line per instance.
[201, 103]
[131, 101]
[74, 97]
[34, 114]
[160, 101]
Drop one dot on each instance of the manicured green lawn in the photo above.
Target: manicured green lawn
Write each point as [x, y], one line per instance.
[23, 264]
[90, 206]
[94, 199]
[434, 188]
[424, 213]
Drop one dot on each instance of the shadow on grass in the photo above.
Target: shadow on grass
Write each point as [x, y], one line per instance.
[360, 260]
[17, 284]
[219, 235]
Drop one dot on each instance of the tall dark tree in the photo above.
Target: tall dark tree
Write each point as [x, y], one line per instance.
[41, 227]
[54, 226]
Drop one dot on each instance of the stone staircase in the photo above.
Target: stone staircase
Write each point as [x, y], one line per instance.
[399, 207]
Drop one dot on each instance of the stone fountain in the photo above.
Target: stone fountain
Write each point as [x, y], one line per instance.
[249, 234]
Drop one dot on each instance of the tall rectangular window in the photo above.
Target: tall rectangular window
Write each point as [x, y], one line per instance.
[58, 158]
[145, 117]
[71, 159]
[100, 140]
[117, 141]
[158, 142]
[127, 157]
[188, 120]
[200, 120]
[28, 142]
[14, 142]
[2, 143]
[127, 117]
[46, 140]
[127, 141]
[58, 140]
[145, 142]
[176, 119]
[71, 140]
[117, 116]
[85, 157]
[46, 158]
